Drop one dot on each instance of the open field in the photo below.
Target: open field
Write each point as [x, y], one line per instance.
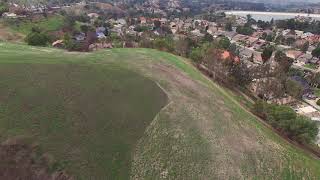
[73, 104]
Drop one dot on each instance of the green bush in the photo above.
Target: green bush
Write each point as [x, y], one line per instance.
[3, 8]
[164, 44]
[318, 102]
[224, 43]
[71, 44]
[37, 38]
[245, 30]
[285, 119]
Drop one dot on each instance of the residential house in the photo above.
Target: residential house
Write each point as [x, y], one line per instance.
[163, 21]
[306, 35]
[212, 30]
[298, 33]
[239, 38]
[285, 32]
[9, 15]
[313, 60]
[313, 40]
[143, 20]
[246, 54]
[121, 21]
[197, 33]
[260, 44]
[100, 35]
[173, 27]
[250, 41]
[93, 15]
[303, 59]
[80, 37]
[294, 54]
[118, 28]
[58, 44]
[299, 43]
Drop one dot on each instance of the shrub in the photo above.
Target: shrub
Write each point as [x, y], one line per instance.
[37, 38]
[285, 119]
[71, 44]
[224, 43]
[164, 44]
[245, 30]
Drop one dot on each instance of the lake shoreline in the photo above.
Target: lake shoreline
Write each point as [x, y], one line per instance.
[263, 15]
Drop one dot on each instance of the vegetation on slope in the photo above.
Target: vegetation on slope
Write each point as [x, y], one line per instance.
[202, 133]
[51, 23]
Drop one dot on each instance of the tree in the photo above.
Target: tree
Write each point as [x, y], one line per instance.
[290, 40]
[37, 38]
[224, 43]
[269, 37]
[264, 35]
[280, 116]
[279, 39]
[272, 21]
[291, 24]
[267, 53]
[283, 61]
[259, 108]
[233, 49]
[228, 26]
[285, 119]
[298, 128]
[196, 24]
[305, 47]
[182, 46]
[250, 20]
[69, 43]
[69, 21]
[241, 74]
[164, 44]
[316, 52]
[140, 28]
[294, 89]
[3, 8]
[84, 28]
[318, 102]
[302, 129]
[207, 38]
[197, 54]
[245, 30]
[251, 59]
[157, 24]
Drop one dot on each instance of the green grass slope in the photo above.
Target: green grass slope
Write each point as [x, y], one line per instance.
[51, 23]
[64, 101]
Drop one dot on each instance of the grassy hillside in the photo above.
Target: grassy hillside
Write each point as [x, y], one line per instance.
[88, 117]
[51, 23]
[94, 113]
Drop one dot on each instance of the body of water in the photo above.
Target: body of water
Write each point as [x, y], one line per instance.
[267, 16]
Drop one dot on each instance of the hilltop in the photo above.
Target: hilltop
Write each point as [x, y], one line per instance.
[139, 114]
